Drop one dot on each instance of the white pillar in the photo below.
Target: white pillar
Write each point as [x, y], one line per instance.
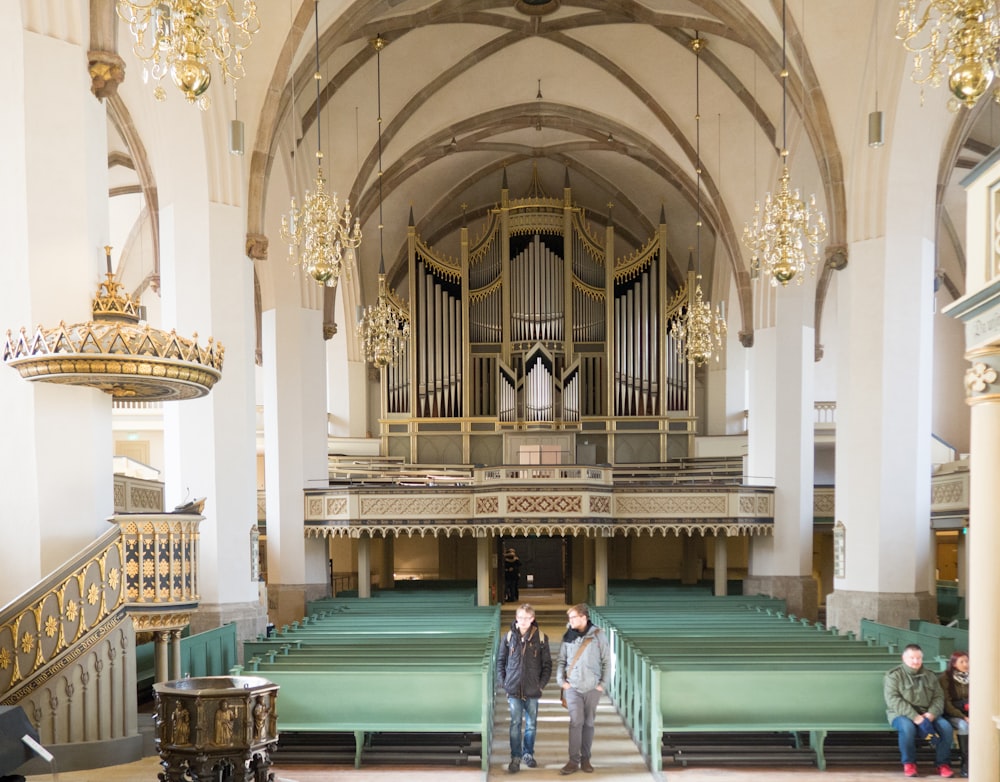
[57, 459]
[984, 543]
[600, 571]
[721, 566]
[209, 443]
[483, 571]
[780, 446]
[364, 566]
[295, 450]
[883, 461]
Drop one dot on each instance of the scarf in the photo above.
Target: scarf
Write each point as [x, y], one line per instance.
[571, 635]
[961, 677]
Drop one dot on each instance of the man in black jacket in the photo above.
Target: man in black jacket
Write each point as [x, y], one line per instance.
[524, 665]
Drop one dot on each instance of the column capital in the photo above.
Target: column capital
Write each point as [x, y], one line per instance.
[981, 379]
[107, 71]
[256, 247]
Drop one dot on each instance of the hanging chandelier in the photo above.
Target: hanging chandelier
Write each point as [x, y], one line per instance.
[953, 40]
[320, 234]
[180, 38]
[699, 329]
[786, 223]
[385, 326]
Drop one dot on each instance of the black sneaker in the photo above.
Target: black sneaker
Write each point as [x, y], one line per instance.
[514, 766]
[529, 761]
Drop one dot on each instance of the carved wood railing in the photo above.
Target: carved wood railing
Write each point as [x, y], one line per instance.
[67, 646]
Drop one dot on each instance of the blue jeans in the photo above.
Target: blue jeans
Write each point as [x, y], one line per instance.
[526, 708]
[907, 735]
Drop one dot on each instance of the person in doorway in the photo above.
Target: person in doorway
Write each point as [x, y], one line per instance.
[582, 672]
[955, 685]
[524, 666]
[914, 706]
[511, 576]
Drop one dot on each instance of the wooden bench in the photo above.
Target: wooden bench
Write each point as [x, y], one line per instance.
[705, 665]
[409, 663]
[934, 644]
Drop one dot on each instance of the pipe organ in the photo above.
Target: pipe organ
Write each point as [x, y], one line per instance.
[534, 326]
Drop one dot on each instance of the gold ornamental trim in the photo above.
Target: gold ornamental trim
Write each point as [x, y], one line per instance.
[153, 621]
[125, 360]
[587, 529]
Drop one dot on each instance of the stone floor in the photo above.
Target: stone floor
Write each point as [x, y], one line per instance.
[615, 756]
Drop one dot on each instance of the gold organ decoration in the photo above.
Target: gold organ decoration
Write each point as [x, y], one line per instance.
[116, 352]
[385, 326]
[787, 222]
[181, 38]
[953, 40]
[319, 234]
[699, 328]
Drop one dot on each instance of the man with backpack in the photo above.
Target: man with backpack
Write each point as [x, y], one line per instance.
[524, 666]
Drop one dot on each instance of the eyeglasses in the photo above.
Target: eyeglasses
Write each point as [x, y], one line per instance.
[572, 616]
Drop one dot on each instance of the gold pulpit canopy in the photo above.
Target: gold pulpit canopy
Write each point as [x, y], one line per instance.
[117, 353]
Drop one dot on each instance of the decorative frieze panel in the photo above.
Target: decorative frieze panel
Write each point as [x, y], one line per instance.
[415, 507]
[545, 504]
[653, 505]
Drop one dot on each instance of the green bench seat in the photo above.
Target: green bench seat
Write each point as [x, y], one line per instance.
[376, 698]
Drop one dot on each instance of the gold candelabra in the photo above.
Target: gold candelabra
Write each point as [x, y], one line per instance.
[780, 231]
[786, 223]
[700, 329]
[384, 328]
[180, 38]
[955, 40]
[320, 234]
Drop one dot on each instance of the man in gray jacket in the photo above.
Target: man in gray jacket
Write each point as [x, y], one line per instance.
[582, 673]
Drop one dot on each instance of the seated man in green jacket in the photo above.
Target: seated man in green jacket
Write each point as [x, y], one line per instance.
[913, 698]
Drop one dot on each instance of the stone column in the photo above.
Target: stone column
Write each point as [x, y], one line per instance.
[161, 655]
[175, 655]
[57, 465]
[721, 566]
[209, 443]
[364, 566]
[883, 460]
[483, 571]
[780, 446]
[600, 570]
[982, 382]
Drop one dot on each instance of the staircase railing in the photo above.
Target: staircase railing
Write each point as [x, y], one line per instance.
[67, 646]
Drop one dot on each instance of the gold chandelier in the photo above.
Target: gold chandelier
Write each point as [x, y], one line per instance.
[786, 223]
[953, 39]
[320, 231]
[699, 328]
[385, 325]
[180, 38]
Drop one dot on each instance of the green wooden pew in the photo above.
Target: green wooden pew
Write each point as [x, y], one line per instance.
[696, 663]
[406, 662]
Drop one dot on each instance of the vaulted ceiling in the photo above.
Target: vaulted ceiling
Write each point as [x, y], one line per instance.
[599, 92]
